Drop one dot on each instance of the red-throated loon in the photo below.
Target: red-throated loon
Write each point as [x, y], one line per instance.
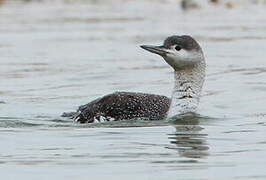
[186, 57]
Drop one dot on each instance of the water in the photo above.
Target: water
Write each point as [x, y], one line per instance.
[57, 56]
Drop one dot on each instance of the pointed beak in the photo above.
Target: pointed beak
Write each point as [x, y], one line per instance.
[155, 49]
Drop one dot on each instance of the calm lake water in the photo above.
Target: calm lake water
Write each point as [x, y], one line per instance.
[56, 56]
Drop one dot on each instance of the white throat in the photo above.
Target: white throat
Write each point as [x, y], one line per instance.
[187, 89]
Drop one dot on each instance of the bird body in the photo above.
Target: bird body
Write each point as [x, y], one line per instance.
[123, 106]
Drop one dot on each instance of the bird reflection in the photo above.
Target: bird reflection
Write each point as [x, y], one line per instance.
[189, 140]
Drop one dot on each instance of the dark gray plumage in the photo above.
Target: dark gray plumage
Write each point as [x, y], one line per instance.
[185, 42]
[123, 106]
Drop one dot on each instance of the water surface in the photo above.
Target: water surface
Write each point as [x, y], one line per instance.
[57, 56]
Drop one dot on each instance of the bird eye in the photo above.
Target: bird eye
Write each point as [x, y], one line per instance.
[178, 48]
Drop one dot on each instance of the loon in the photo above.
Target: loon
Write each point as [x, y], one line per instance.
[186, 57]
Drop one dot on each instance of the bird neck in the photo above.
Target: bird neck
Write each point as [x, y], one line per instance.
[187, 89]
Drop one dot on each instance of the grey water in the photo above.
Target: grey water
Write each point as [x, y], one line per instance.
[57, 55]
